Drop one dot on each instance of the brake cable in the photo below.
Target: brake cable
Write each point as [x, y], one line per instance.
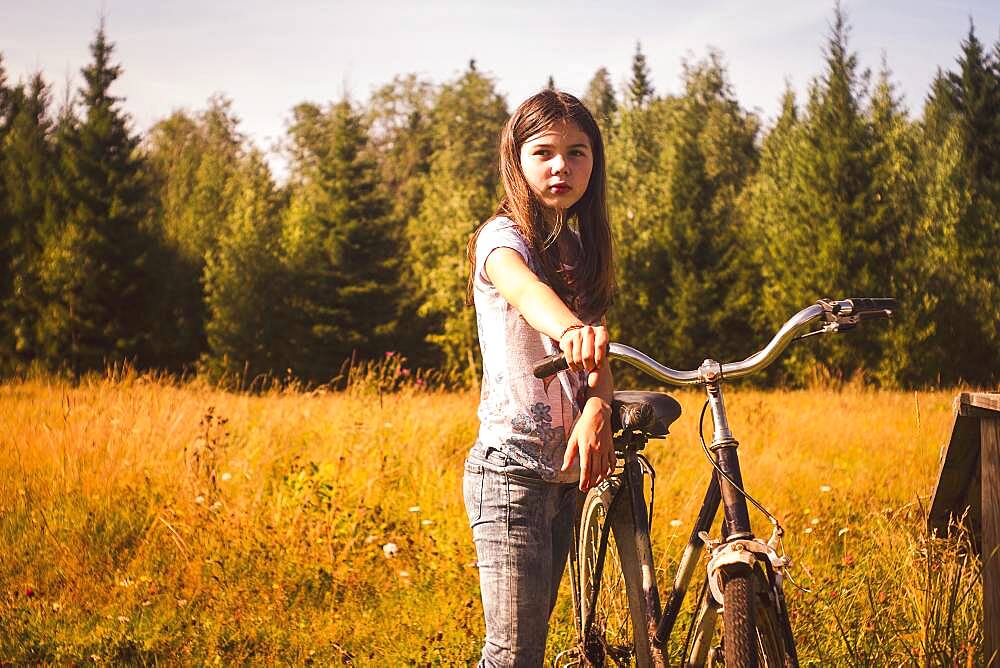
[779, 530]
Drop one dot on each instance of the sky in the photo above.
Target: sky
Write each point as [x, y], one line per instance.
[268, 56]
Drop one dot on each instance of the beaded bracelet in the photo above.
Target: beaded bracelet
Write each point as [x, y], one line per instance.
[578, 325]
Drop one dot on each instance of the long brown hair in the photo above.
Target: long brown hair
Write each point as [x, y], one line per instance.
[593, 277]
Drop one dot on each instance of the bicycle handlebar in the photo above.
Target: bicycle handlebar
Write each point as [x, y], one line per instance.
[846, 313]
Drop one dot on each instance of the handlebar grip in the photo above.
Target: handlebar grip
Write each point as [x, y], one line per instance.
[861, 305]
[550, 366]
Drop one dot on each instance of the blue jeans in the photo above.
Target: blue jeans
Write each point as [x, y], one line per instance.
[522, 527]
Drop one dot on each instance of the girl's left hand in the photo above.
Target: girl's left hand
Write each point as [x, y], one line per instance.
[585, 347]
[590, 441]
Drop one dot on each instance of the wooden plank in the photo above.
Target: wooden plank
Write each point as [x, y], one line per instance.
[958, 486]
[990, 430]
[982, 404]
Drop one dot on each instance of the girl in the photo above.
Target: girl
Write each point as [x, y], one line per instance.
[541, 282]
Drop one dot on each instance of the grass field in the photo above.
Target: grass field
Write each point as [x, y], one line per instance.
[145, 521]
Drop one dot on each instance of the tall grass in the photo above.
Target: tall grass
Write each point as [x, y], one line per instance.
[149, 521]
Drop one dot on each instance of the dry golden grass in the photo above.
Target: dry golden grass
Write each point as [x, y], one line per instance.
[145, 521]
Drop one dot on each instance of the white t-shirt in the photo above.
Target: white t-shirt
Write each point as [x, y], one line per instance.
[526, 418]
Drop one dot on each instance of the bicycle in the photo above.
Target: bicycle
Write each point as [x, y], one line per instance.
[616, 601]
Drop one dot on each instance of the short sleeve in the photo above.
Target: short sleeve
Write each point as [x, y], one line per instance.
[498, 233]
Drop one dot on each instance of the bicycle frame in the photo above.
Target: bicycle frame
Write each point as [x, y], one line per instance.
[737, 548]
[736, 523]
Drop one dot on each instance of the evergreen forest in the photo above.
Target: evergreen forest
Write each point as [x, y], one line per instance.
[177, 250]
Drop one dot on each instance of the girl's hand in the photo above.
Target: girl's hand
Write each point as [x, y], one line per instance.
[585, 347]
[590, 440]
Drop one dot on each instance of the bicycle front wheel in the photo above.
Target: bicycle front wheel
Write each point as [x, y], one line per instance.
[621, 619]
[755, 626]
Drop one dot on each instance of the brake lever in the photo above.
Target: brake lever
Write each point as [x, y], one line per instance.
[834, 325]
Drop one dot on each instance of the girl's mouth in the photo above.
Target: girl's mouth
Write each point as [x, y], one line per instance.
[560, 188]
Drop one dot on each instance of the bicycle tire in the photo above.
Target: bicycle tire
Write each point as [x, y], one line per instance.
[620, 629]
[739, 635]
[755, 631]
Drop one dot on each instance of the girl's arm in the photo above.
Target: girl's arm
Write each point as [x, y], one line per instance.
[590, 440]
[585, 346]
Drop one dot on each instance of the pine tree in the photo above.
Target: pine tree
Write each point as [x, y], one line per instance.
[824, 244]
[342, 254]
[962, 217]
[6, 231]
[640, 88]
[708, 163]
[637, 218]
[93, 271]
[245, 283]
[193, 158]
[25, 177]
[688, 262]
[771, 200]
[460, 192]
[600, 99]
[901, 261]
[399, 120]
[550, 83]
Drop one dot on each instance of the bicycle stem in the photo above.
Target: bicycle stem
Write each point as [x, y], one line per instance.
[737, 516]
[736, 522]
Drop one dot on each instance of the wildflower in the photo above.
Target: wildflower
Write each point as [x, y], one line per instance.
[125, 582]
[199, 499]
[414, 509]
[29, 592]
[123, 619]
[389, 353]
[56, 606]
[427, 522]
[675, 523]
[404, 574]
[370, 538]
[814, 521]
[825, 488]
[807, 530]
[216, 506]
[841, 532]
[227, 476]
[390, 549]
[181, 602]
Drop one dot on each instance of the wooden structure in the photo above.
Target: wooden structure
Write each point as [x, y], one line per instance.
[969, 485]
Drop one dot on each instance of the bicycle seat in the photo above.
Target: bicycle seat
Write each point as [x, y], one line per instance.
[649, 412]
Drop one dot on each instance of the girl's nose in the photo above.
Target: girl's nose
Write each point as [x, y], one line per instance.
[558, 165]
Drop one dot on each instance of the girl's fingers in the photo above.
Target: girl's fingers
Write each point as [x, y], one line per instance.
[587, 349]
[585, 464]
[600, 345]
[571, 351]
[569, 455]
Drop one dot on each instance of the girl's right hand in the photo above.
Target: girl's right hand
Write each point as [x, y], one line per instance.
[585, 347]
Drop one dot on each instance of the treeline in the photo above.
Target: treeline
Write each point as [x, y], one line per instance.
[177, 250]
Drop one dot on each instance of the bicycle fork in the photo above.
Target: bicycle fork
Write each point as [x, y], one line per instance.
[736, 522]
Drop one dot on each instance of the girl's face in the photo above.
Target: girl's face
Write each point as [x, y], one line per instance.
[557, 163]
